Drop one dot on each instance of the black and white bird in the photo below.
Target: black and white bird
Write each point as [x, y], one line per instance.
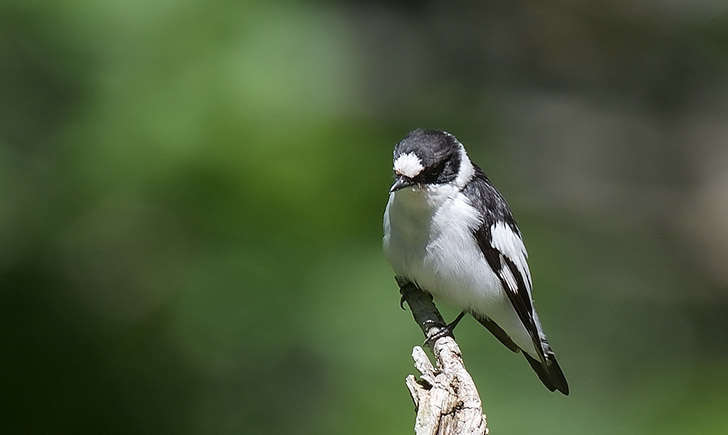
[448, 231]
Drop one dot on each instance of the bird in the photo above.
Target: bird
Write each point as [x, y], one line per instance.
[449, 232]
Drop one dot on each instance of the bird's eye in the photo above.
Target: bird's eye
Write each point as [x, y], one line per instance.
[435, 170]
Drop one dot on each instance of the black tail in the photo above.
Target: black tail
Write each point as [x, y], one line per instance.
[549, 372]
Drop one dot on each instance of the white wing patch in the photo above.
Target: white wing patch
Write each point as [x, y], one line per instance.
[507, 275]
[408, 165]
[510, 244]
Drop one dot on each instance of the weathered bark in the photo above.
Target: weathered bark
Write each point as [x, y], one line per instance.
[445, 396]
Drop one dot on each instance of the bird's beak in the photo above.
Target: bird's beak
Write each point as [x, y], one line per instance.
[400, 183]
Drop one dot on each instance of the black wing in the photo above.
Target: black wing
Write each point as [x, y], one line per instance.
[494, 210]
[505, 254]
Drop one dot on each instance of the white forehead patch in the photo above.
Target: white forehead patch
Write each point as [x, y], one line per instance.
[408, 165]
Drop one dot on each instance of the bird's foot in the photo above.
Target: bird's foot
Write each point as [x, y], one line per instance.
[444, 331]
[403, 283]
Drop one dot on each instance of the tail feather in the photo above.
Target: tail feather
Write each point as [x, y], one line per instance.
[557, 375]
[546, 367]
[549, 373]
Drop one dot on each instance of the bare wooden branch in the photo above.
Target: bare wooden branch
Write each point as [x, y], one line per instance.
[445, 397]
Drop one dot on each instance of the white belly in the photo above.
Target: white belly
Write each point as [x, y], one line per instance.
[428, 239]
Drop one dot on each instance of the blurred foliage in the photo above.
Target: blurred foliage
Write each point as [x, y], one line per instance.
[192, 198]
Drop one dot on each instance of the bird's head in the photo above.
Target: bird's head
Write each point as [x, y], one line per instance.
[429, 157]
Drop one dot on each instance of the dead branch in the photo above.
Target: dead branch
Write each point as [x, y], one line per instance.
[445, 397]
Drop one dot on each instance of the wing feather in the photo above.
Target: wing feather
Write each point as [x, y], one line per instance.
[502, 246]
[500, 242]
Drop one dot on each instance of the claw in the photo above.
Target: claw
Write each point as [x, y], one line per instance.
[444, 331]
[429, 323]
[402, 283]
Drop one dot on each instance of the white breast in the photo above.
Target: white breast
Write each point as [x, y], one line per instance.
[428, 239]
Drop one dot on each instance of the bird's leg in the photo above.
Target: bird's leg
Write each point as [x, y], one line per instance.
[444, 329]
[402, 283]
[405, 288]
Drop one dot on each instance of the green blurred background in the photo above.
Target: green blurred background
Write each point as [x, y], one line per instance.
[191, 196]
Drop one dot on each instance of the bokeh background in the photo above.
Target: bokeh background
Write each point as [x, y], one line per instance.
[191, 196]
